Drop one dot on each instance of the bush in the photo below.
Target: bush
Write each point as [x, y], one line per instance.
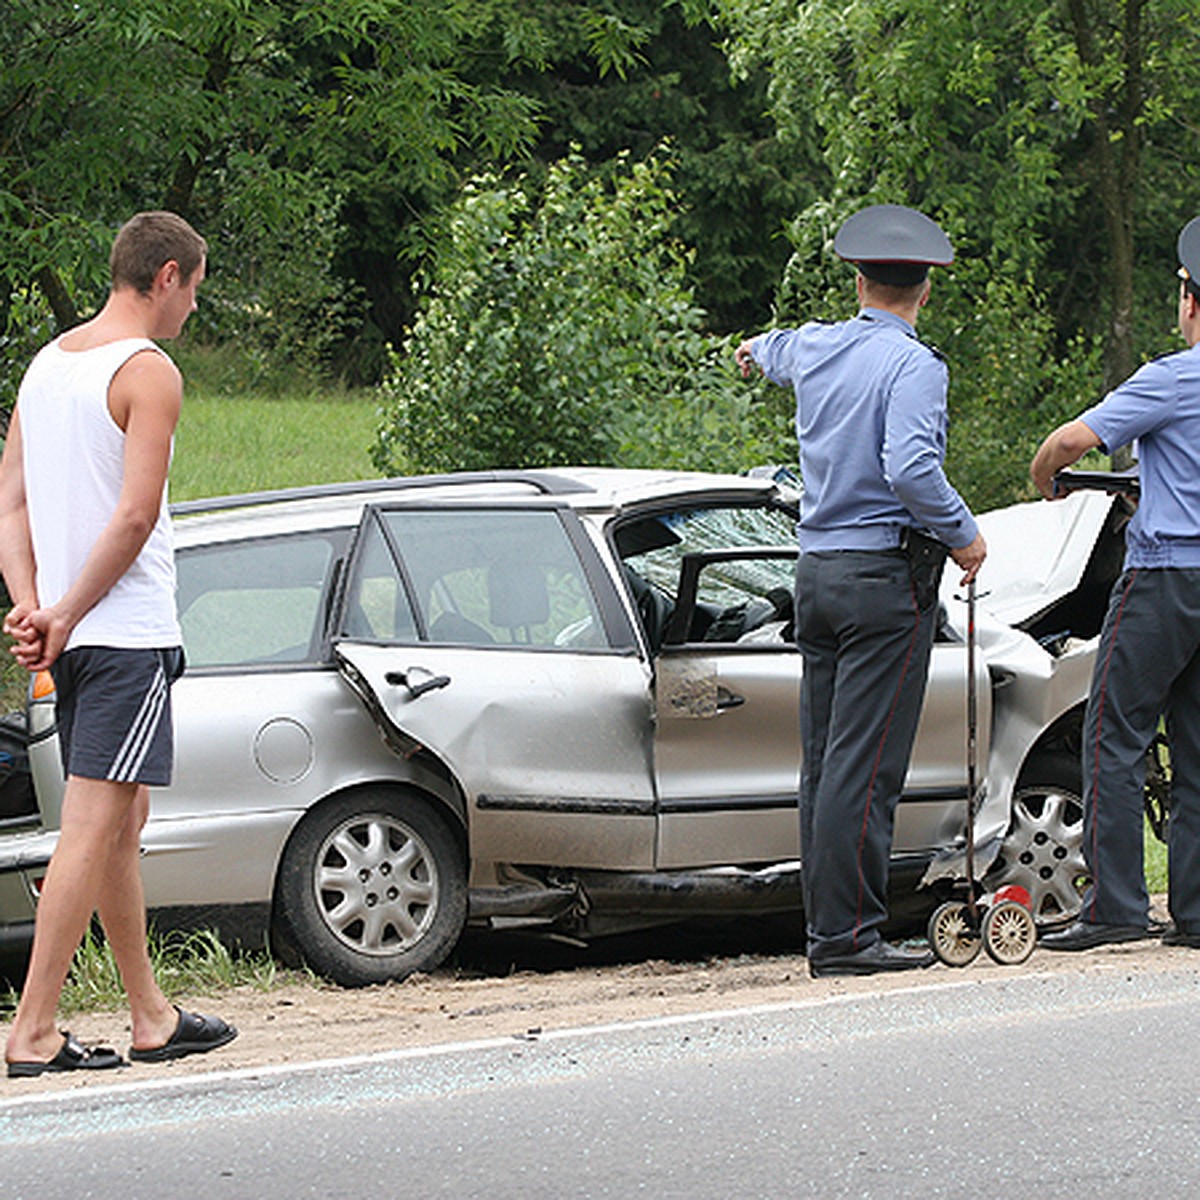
[559, 328]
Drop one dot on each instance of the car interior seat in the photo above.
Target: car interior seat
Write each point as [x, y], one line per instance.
[517, 599]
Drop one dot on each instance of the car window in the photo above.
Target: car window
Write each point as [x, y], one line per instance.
[378, 607]
[255, 601]
[477, 578]
[734, 597]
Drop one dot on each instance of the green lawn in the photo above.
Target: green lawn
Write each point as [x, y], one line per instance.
[250, 442]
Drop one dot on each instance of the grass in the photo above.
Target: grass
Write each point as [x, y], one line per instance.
[259, 440]
[1156, 862]
[186, 964]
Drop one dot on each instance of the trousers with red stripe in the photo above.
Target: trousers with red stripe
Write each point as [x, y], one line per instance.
[866, 645]
[1147, 669]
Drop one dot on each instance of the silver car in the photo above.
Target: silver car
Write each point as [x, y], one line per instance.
[564, 700]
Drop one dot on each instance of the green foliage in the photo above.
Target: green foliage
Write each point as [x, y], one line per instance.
[256, 121]
[1033, 135]
[234, 437]
[559, 328]
[185, 964]
[271, 287]
[737, 183]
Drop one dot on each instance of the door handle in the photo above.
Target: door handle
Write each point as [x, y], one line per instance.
[417, 688]
[727, 699]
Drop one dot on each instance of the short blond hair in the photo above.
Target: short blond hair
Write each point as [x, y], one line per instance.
[148, 240]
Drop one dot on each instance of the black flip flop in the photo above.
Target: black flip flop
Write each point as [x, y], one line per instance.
[72, 1056]
[194, 1034]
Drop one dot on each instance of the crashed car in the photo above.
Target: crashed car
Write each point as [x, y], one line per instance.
[563, 700]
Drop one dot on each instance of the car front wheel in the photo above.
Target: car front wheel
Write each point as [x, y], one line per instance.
[1043, 849]
[372, 888]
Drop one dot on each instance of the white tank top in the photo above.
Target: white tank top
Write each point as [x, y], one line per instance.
[74, 465]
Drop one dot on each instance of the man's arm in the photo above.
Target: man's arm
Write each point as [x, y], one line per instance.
[16, 545]
[144, 399]
[1067, 444]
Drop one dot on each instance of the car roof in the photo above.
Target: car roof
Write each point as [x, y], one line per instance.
[592, 489]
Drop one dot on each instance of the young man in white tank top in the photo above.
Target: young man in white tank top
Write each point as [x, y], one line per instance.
[86, 552]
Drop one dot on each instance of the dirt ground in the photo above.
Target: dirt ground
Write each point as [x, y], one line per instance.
[505, 989]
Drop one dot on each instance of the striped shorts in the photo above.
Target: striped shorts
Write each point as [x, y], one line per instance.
[114, 713]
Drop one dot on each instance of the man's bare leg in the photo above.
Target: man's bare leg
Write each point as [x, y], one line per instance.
[122, 908]
[95, 816]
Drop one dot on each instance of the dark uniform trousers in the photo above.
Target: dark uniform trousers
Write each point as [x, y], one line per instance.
[1147, 666]
[866, 643]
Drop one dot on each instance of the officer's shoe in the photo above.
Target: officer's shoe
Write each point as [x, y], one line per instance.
[1087, 935]
[879, 956]
[1174, 936]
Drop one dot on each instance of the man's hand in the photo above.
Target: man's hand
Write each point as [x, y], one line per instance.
[970, 558]
[39, 636]
[744, 359]
[27, 642]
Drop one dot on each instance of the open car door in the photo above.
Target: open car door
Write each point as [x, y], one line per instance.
[717, 584]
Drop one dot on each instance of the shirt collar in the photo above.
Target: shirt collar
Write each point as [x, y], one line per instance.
[888, 318]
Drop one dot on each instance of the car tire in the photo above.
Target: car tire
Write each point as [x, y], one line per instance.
[372, 888]
[1043, 849]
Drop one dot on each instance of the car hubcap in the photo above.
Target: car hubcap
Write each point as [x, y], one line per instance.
[376, 885]
[1043, 852]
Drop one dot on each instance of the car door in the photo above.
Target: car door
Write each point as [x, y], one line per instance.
[727, 695]
[713, 584]
[728, 754]
[493, 638]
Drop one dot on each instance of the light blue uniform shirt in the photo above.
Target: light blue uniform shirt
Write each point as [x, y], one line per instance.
[1158, 407]
[871, 423]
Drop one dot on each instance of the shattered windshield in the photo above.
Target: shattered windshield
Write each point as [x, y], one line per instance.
[654, 547]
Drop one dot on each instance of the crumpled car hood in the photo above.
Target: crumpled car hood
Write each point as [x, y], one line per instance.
[1037, 553]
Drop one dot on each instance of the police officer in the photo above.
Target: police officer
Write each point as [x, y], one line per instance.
[1148, 663]
[877, 519]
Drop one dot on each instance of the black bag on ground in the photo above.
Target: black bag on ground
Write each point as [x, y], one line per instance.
[16, 783]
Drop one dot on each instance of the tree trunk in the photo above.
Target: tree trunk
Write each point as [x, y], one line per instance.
[1117, 154]
[66, 315]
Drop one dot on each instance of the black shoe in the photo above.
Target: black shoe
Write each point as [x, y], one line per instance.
[1086, 935]
[879, 956]
[1174, 936]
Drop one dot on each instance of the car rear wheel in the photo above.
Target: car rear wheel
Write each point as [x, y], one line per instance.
[1043, 849]
[372, 888]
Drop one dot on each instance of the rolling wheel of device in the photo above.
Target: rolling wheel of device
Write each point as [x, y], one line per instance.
[952, 936]
[1009, 933]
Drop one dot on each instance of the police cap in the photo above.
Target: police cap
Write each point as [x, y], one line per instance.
[1189, 255]
[893, 244]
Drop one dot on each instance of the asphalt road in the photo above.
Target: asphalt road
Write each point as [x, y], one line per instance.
[1065, 1085]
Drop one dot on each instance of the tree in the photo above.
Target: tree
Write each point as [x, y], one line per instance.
[260, 122]
[738, 185]
[1036, 135]
[558, 327]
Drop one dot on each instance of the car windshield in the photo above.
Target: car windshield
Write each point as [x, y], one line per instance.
[655, 547]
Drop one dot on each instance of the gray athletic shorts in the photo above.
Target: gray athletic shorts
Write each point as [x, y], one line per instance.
[114, 713]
